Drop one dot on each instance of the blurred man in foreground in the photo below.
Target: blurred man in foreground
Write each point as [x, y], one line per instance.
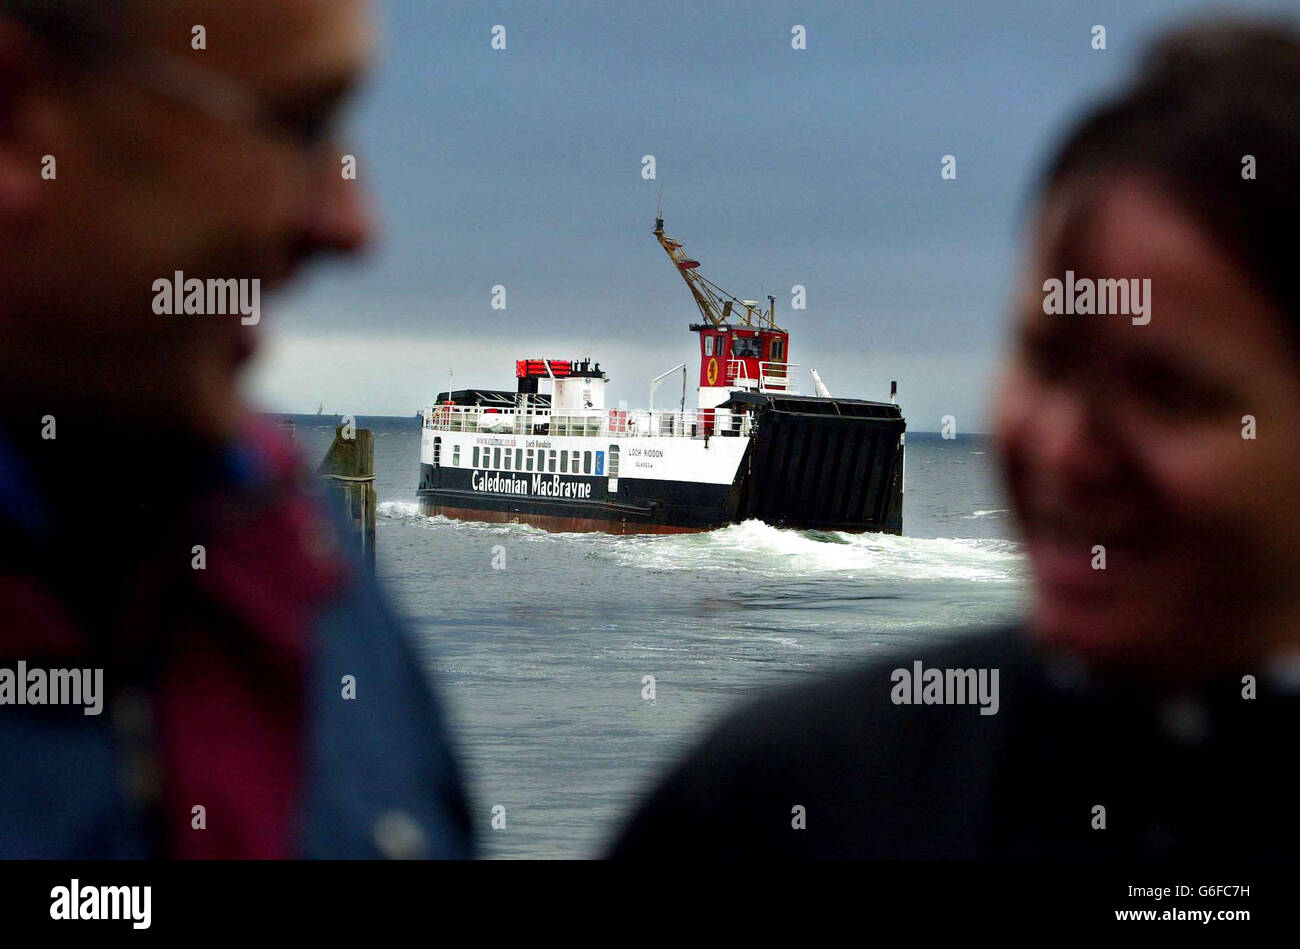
[1147, 706]
[257, 698]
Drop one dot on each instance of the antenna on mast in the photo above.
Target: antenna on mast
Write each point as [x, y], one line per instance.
[661, 198]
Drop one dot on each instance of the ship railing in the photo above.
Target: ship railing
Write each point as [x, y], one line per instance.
[592, 423]
[738, 375]
[772, 376]
[779, 376]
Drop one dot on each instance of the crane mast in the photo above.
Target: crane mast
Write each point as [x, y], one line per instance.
[716, 305]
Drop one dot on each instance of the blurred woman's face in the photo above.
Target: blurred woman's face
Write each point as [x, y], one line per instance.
[1129, 438]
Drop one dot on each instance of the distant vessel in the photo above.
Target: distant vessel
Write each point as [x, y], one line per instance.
[752, 448]
[323, 416]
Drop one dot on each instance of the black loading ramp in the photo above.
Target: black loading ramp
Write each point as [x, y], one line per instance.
[823, 464]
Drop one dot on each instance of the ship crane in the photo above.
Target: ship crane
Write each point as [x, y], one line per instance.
[716, 305]
[750, 354]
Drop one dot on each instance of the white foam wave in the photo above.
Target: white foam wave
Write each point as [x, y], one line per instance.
[398, 509]
[408, 512]
[756, 547]
[759, 548]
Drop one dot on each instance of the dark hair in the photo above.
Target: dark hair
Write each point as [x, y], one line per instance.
[1205, 97]
[91, 32]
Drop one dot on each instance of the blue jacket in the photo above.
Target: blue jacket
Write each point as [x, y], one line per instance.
[284, 619]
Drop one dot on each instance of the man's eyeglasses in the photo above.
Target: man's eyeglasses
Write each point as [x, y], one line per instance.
[232, 102]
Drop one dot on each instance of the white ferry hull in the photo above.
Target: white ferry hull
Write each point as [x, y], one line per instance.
[804, 463]
[661, 486]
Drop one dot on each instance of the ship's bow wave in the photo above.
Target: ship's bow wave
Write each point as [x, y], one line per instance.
[756, 547]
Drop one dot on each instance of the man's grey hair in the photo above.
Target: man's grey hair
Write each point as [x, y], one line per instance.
[90, 32]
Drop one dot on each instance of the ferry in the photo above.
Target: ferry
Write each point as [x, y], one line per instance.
[753, 447]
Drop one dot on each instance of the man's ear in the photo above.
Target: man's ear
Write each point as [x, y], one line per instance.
[20, 166]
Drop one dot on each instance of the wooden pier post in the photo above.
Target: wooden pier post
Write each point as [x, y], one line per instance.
[349, 467]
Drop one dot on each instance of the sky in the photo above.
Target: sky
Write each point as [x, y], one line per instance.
[819, 167]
